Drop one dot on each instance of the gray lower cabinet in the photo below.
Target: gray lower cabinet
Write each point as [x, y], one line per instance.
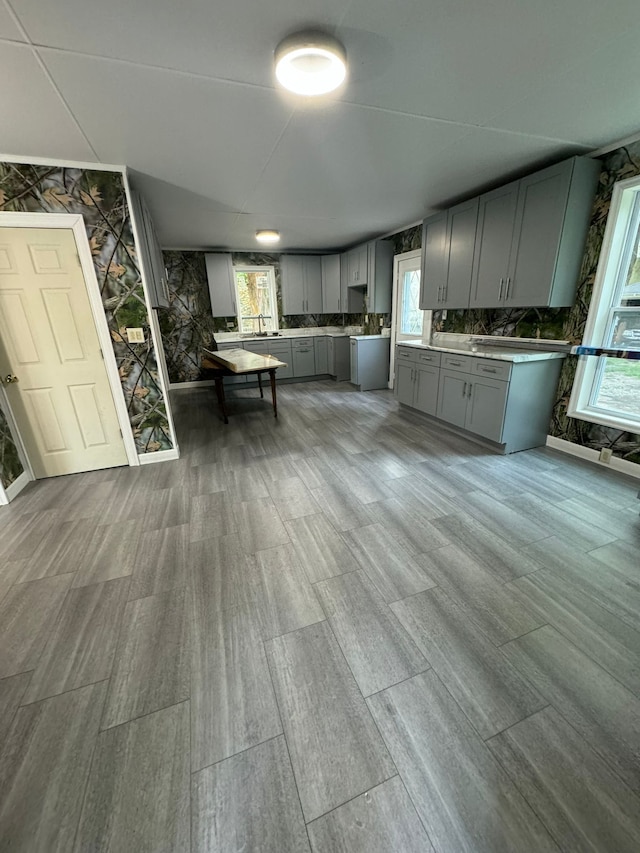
[303, 357]
[222, 289]
[370, 362]
[507, 403]
[279, 348]
[472, 402]
[320, 345]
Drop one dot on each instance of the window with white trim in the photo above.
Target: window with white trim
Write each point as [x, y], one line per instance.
[256, 299]
[606, 389]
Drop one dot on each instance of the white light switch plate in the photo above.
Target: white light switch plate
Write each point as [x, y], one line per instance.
[135, 336]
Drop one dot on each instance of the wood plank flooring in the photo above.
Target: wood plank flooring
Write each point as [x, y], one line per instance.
[342, 630]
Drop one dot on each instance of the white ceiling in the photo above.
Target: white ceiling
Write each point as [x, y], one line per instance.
[445, 97]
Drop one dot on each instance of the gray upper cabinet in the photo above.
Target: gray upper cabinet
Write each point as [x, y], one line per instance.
[379, 276]
[150, 253]
[301, 280]
[530, 241]
[459, 251]
[351, 298]
[496, 213]
[433, 273]
[331, 285]
[357, 266]
[221, 284]
[551, 223]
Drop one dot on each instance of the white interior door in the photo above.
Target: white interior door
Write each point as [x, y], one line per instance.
[62, 400]
[410, 323]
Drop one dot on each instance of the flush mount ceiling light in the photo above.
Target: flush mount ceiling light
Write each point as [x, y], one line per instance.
[310, 63]
[267, 236]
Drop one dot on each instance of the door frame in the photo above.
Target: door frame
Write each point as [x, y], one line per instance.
[75, 222]
[405, 256]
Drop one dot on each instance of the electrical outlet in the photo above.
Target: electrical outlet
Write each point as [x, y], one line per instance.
[230, 324]
[135, 336]
[444, 313]
[366, 318]
[605, 455]
[381, 322]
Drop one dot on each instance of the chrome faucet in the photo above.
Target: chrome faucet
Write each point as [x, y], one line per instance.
[260, 319]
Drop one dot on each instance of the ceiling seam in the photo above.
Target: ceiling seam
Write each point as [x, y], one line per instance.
[242, 211]
[47, 74]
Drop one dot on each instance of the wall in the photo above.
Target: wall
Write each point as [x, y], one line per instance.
[556, 323]
[187, 326]
[100, 198]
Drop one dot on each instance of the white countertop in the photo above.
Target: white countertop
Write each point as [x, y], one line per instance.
[304, 332]
[481, 348]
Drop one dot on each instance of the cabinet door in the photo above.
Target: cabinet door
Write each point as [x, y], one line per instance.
[304, 361]
[433, 274]
[403, 386]
[487, 402]
[353, 346]
[322, 355]
[542, 203]
[312, 265]
[361, 264]
[460, 242]
[496, 213]
[331, 286]
[221, 284]
[292, 284]
[380, 277]
[331, 363]
[452, 397]
[426, 392]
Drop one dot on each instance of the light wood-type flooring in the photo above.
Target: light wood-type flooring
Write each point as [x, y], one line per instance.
[341, 631]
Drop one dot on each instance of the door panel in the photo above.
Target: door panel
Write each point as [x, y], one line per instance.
[461, 234]
[487, 402]
[452, 398]
[62, 402]
[404, 382]
[496, 215]
[427, 389]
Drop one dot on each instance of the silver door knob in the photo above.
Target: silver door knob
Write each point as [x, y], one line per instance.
[10, 379]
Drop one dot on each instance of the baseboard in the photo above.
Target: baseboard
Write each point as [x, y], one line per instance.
[196, 383]
[623, 466]
[14, 489]
[159, 456]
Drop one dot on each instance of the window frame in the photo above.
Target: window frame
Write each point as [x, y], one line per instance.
[624, 215]
[270, 271]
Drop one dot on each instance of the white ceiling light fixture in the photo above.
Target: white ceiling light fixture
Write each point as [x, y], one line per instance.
[310, 63]
[266, 236]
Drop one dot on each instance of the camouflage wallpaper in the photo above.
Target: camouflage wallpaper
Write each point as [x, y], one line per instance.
[187, 325]
[10, 465]
[100, 198]
[555, 323]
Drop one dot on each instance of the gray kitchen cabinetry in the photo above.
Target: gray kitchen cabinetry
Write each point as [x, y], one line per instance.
[370, 362]
[150, 253]
[530, 239]
[301, 282]
[338, 357]
[222, 290]
[303, 357]
[416, 380]
[279, 348]
[380, 277]
[331, 284]
[358, 265]
[433, 275]
[351, 298]
[320, 345]
[447, 259]
[507, 403]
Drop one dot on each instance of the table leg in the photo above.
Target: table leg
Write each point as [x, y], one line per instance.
[272, 377]
[260, 386]
[220, 395]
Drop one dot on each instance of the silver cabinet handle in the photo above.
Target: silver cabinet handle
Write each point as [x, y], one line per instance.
[470, 388]
[464, 390]
[488, 370]
[506, 296]
[500, 289]
[455, 363]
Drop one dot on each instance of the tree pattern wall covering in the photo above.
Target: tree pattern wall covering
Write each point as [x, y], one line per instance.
[100, 198]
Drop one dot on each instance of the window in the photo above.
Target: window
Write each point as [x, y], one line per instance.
[411, 314]
[607, 389]
[256, 299]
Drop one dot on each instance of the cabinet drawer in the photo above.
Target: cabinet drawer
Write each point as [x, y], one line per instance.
[428, 357]
[457, 362]
[495, 369]
[405, 354]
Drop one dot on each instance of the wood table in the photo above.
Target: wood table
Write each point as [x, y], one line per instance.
[236, 362]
